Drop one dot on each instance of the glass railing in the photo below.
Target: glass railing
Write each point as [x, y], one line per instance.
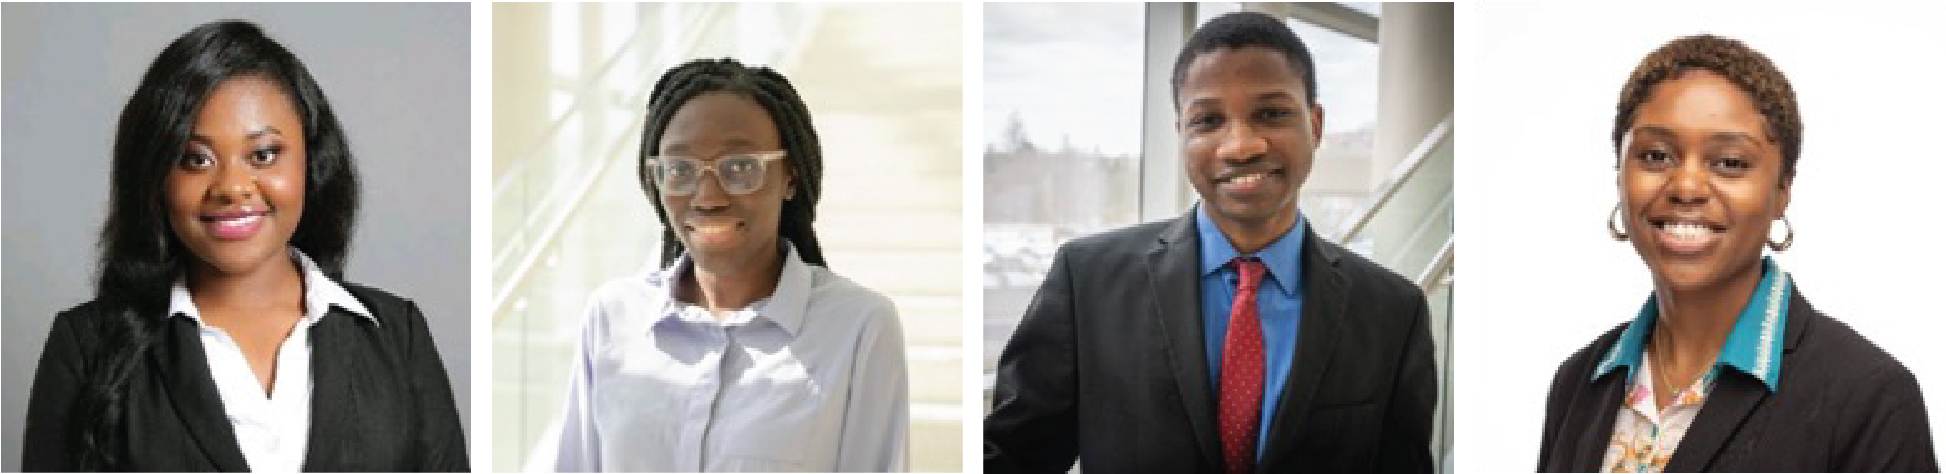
[1408, 227]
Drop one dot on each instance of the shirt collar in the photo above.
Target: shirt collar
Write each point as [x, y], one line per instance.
[784, 307]
[320, 294]
[1754, 346]
[1281, 257]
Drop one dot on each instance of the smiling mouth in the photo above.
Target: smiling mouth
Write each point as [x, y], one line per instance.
[712, 231]
[233, 226]
[1247, 181]
[1687, 236]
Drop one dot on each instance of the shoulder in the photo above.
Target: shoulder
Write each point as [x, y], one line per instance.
[1580, 366]
[389, 309]
[87, 324]
[1831, 353]
[835, 297]
[399, 321]
[620, 305]
[1117, 244]
[375, 298]
[1367, 275]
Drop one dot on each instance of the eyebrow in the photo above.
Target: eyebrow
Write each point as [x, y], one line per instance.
[1719, 137]
[253, 135]
[732, 142]
[1264, 97]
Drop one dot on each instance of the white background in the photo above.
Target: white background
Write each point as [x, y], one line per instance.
[1537, 92]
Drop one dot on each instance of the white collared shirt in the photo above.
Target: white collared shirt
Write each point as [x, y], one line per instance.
[812, 378]
[271, 432]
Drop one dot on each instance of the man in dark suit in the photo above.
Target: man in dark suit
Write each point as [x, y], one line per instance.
[1231, 339]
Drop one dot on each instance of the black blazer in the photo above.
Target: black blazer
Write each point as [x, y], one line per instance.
[1842, 404]
[1108, 365]
[380, 402]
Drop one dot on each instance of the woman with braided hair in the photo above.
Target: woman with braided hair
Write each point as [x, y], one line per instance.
[739, 349]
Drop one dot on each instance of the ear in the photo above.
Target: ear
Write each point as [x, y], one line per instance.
[1784, 194]
[790, 183]
[1317, 125]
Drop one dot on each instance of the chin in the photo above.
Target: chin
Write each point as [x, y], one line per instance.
[1249, 211]
[242, 258]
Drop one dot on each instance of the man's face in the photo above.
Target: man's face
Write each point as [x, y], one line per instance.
[1248, 134]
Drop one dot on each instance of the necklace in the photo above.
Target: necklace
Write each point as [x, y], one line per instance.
[1662, 372]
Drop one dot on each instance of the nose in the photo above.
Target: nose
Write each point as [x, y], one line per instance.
[1689, 183]
[1240, 142]
[709, 191]
[235, 182]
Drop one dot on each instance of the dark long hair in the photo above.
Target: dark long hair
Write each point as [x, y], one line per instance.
[768, 89]
[140, 256]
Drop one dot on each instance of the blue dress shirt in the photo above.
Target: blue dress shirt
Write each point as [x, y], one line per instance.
[1279, 301]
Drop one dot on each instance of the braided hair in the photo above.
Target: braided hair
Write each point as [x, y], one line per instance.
[774, 93]
[140, 257]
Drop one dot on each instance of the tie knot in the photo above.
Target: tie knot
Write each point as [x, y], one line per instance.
[1250, 272]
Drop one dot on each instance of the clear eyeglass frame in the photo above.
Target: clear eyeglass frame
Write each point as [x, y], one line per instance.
[738, 173]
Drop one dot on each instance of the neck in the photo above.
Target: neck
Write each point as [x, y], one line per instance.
[1251, 235]
[724, 287]
[1693, 323]
[269, 283]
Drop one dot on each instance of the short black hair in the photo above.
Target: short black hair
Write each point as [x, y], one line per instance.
[1245, 29]
[1749, 69]
[140, 256]
[774, 93]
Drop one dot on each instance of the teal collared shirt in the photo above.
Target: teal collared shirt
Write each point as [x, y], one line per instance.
[1755, 344]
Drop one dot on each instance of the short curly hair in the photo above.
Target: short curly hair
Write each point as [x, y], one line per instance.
[1747, 68]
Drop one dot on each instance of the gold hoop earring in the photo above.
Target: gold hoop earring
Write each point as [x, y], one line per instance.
[1790, 233]
[1612, 231]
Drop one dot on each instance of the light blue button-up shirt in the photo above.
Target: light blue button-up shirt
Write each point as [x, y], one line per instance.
[1280, 301]
[812, 378]
[1754, 345]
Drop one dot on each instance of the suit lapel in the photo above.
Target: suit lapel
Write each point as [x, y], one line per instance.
[1326, 291]
[1175, 300]
[1724, 413]
[193, 392]
[333, 406]
[1731, 402]
[1592, 443]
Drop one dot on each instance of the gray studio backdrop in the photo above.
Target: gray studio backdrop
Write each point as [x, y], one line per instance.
[396, 75]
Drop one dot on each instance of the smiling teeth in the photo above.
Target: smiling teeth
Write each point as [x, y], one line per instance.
[1687, 231]
[241, 221]
[1247, 179]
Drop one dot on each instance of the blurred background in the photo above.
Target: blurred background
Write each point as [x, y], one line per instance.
[1080, 138]
[571, 83]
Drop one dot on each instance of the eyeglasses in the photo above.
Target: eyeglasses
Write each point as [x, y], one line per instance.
[739, 174]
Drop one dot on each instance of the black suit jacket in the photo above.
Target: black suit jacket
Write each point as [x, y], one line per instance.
[380, 400]
[1842, 404]
[1108, 365]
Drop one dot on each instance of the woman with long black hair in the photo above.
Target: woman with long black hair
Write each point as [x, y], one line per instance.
[222, 335]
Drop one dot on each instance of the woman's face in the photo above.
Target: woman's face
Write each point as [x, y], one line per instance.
[717, 227]
[1701, 181]
[236, 193]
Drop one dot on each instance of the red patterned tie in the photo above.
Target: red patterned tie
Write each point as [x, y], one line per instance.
[1243, 372]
